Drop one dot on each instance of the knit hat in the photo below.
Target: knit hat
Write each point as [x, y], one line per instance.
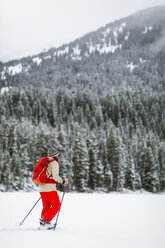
[52, 153]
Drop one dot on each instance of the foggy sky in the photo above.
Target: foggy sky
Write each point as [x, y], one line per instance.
[29, 26]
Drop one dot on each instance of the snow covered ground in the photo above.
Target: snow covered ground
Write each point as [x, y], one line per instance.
[86, 220]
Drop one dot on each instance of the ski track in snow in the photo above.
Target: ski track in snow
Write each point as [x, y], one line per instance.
[86, 220]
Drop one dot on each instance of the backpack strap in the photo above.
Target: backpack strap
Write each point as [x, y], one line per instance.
[51, 160]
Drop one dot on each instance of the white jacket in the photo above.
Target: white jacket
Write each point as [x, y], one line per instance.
[53, 171]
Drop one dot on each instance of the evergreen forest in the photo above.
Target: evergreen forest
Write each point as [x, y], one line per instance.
[106, 143]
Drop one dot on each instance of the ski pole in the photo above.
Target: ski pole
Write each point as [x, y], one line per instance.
[21, 223]
[59, 208]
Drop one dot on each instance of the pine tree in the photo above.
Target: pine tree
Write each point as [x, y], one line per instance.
[20, 112]
[40, 145]
[161, 159]
[108, 177]
[130, 172]
[6, 171]
[149, 171]
[62, 147]
[115, 158]
[80, 163]
[26, 164]
[16, 172]
[92, 163]
[92, 170]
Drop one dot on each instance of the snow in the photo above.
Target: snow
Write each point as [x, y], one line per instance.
[127, 36]
[122, 26]
[117, 30]
[86, 220]
[142, 60]
[147, 29]
[76, 53]
[115, 33]
[76, 57]
[26, 69]
[131, 66]
[13, 70]
[91, 48]
[105, 48]
[108, 48]
[106, 33]
[47, 57]
[16, 69]
[3, 76]
[37, 60]
[62, 51]
[5, 89]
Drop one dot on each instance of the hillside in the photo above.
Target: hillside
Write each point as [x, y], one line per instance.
[118, 54]
[99, 100]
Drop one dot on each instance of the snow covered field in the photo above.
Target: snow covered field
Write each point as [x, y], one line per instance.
[86, 220]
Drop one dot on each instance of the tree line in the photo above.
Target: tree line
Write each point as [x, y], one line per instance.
[106, 142]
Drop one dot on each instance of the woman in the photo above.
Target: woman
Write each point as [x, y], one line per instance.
[48, 191]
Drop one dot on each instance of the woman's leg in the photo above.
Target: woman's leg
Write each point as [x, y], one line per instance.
[46, 204]
[54, 201]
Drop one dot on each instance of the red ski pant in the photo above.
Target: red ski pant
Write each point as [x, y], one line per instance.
[51, 205]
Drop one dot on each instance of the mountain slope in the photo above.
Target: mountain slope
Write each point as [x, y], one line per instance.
[115, 55]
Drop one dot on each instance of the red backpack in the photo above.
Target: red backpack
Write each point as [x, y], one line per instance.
[39, 175]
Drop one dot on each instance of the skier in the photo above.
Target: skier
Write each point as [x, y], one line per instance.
[48, 192]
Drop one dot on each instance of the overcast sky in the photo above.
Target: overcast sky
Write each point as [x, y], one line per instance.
[29, 26]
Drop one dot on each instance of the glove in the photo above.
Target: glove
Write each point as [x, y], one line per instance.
[66, 181]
